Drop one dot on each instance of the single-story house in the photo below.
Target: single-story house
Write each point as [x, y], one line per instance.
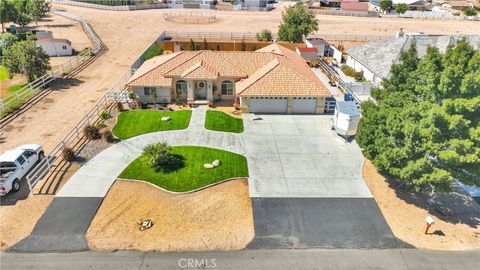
[376, 58]
[457, 5]
[353, 5]
[322, 46]
[53, 46]
[273, 79]
[255, 4]
[309, 54]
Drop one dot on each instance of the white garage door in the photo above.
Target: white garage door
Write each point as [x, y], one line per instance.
[268, 104]
[304, 105]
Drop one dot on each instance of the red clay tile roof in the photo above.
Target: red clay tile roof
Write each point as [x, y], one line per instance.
[354, 6]
[307, 49]
[273, 70]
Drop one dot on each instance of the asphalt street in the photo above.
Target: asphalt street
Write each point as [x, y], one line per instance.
[245, 260]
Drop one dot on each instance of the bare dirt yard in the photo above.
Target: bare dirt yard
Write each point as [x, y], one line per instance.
[128, 33]
[406, 211]
[18, 217]
[216, 218]
[226, 106]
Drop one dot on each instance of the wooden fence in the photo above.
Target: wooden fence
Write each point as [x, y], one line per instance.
[252, 36]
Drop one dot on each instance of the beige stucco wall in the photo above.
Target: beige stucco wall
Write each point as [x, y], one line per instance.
[163, 95]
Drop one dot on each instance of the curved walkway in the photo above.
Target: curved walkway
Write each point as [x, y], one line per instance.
[95, 178]
[63, 226]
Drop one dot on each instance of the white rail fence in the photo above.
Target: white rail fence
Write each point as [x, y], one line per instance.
[189, 17]
[252, 36]
[112, 8]
[15, 100]
[344, 86]
[116, 94]
[106, 103]
[431, 15]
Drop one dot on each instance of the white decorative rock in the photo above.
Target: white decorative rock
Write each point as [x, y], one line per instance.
[208, 166]
[216, 163]
[166, 118]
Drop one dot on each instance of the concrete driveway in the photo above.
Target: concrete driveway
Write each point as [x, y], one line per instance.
[299, 156]
[307, 187]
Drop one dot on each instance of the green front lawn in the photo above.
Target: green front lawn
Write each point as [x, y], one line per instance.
[221, 121]
[192, 175]
[15, 87]
[3, 73]
[137, 122]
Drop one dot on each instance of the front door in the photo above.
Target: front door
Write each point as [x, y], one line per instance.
[201, 90]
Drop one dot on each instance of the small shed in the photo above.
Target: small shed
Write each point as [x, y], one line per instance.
[320, 44]
[53, 46]
[308, 54]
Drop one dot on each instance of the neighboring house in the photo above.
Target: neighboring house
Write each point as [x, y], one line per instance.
[255, 4]
[273, 79]
[375, 59]
[353, 5]
[330, 3]
[195, 3]
[320, 44]
[53, 46]
[457, 5]
[308, 54]
[412, 4]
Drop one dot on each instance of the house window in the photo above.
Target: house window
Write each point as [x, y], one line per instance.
[64, 47]
[181, 87]
[227, 88]
[149, 91]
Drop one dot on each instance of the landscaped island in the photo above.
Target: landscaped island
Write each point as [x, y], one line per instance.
[188, 173]
[138, 122]
[220, 121]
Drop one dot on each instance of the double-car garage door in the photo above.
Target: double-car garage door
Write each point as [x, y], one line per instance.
[301, 105]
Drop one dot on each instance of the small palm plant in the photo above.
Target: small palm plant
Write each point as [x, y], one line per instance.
[160, 157]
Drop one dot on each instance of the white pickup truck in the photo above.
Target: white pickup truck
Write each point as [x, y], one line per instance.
[14, 164]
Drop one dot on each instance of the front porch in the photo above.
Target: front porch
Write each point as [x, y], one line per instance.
[199, 91]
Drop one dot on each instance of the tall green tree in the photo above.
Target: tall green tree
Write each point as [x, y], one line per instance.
[401, 8]
[7, 12]
[39, 9]
[6, 40]
[424, 126]
[22, 14]
[386, 5]
[297, 23]
[25, 58]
